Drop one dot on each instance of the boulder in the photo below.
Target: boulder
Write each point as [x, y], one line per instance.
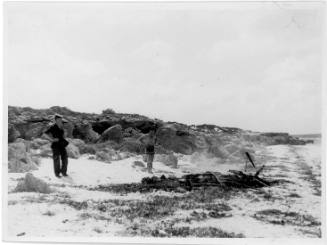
[30, 130]
[137, 122]
[13, 133]
[168, 159]
[131, 132]
[32, 184]
[73, 151]
[36, 130]
[113, 133]
[19, 159]
[85, 132]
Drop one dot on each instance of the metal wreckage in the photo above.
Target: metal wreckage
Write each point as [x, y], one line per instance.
[188, 182]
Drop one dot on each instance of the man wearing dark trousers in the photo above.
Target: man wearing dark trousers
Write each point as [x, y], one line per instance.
[56, 135]
[149, 140]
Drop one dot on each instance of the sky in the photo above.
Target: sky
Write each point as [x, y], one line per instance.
[256, 66]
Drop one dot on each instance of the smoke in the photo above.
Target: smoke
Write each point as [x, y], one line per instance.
[222, 158]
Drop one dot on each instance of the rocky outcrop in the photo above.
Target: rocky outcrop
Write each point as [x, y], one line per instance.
[120, 131]
[113, 133]
[139, 123]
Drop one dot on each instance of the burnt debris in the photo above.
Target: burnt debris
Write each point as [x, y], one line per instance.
[234, 179]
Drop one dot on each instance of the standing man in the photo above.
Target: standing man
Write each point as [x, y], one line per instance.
[149, 140]
[55, 134]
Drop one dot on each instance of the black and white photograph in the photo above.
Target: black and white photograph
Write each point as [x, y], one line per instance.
[163, 121]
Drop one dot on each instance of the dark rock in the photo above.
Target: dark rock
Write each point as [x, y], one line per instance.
[100, 126]
[131, 132]
[141, 124]
[85, 132]
[113, 133]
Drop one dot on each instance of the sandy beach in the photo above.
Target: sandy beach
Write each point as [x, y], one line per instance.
[78, 207]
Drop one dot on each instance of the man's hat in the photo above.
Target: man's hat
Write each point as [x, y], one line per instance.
[60, 116]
